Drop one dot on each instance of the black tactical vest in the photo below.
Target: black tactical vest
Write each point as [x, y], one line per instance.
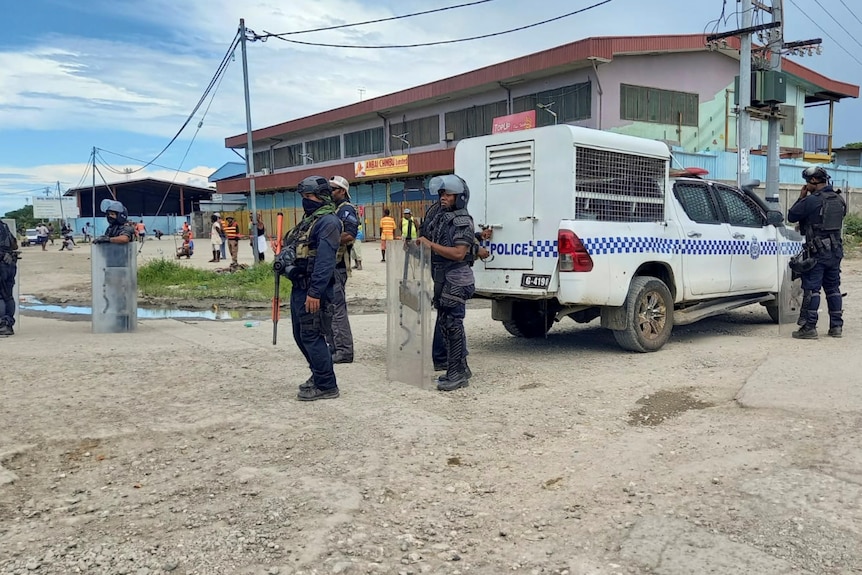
[832, 211]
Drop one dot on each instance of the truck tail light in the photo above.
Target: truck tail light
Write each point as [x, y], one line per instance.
[573, 255]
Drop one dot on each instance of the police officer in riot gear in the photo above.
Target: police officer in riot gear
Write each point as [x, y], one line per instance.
[119, 230]
[308, 261]
[451, 242]
[820, 212]
[342, 336]
[9, 255]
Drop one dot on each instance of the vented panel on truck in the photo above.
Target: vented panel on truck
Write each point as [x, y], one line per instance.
[510, 163]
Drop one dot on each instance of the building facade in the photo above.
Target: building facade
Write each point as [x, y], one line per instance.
[669, 88]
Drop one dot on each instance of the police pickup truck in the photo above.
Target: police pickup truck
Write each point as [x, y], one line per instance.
[591, 224]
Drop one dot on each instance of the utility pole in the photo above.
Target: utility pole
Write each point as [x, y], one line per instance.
[249, 150]
[94, 191]
[773, 139]
[60, 199]
[743, 119]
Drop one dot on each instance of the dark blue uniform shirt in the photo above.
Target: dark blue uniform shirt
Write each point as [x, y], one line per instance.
[325, 237]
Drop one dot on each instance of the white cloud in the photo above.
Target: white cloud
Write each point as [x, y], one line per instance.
[149, 85]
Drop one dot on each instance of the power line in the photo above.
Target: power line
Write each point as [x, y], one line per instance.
[827, 34]
[40, 189]
[851, 11]
[219, 71]
[188, 149]
[138, 160]
[840, 25]
[325, 28]
[440, 42]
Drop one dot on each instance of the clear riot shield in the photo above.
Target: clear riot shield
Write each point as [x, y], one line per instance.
[115, 287]
[410, 317]
[788, 305]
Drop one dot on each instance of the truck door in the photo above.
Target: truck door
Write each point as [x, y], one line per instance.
[753, 262]
[705, 243]
[510, 204]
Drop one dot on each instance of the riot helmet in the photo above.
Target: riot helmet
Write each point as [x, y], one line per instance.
[451, 184]
[815, 173]
[115, 212]
[317, 185]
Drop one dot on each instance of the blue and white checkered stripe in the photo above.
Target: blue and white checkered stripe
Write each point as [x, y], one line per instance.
[631, 245]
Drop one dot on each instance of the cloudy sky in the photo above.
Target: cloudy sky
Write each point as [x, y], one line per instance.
[123, 75]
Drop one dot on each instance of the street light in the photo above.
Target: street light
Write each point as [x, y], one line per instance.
[307, 158]
[547, 108]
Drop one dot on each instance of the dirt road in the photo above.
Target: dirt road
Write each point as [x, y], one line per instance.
[180, 449]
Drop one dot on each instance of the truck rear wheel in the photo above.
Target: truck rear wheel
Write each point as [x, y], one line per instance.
[649, 311]
[529, 319]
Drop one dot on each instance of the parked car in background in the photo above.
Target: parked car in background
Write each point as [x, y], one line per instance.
[31, 237]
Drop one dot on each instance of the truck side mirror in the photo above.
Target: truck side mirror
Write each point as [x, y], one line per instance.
[774, 218]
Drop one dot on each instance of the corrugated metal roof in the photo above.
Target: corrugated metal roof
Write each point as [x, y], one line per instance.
[603, 48]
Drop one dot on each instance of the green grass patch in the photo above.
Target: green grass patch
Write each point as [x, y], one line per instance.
[852, 235]
[169, 279]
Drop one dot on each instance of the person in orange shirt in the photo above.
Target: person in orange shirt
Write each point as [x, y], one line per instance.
[141, 230]
[387, 232]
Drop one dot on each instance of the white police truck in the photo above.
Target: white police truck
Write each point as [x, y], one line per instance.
[590, 224]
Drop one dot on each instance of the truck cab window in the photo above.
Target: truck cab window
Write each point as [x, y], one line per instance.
[697, 202]
[740, 209]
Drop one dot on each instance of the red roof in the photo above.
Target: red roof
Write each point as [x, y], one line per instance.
[603, 48]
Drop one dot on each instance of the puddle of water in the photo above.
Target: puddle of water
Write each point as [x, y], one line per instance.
[33, 304]
[662, 405]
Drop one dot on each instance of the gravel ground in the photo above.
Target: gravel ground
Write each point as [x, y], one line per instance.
[180, 449]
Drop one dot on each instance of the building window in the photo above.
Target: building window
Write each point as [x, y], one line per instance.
[287, 157]
[262, 160]
[657, 106]
[475, 120]
[323, 150]
[570, 103]
[363, 142]
[420, 132]
[788, 123]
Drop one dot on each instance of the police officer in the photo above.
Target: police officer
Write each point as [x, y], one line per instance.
[438, 348]
[342, 336]
[820, 212]
[308, 260]
[119, 230]
[452, 244]
[8, 268]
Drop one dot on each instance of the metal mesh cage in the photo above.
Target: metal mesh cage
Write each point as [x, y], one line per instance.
[617, 187]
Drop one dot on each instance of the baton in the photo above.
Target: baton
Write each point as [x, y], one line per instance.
[276, 298]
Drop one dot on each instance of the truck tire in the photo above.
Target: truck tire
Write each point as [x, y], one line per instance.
[529, 319]
[649, 311]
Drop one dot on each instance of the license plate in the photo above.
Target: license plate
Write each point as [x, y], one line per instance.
[535, 281]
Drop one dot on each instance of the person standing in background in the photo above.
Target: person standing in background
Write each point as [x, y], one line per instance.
[387, 232]
[215, 238]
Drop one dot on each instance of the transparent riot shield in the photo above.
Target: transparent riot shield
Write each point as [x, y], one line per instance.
[410, 317]
[115, 287]
[789, 301]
